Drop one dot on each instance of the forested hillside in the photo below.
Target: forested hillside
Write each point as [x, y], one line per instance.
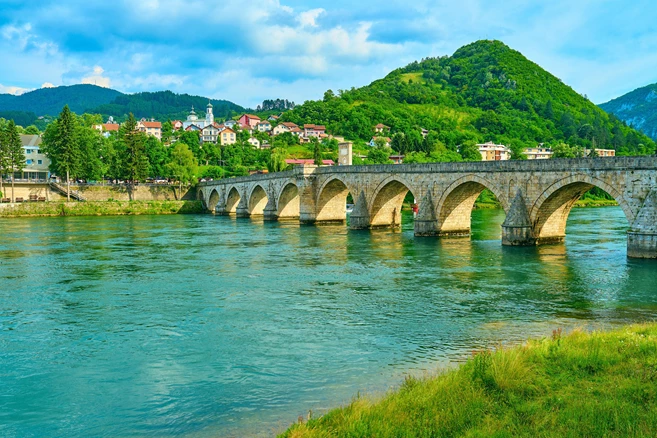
[484, 92]
[50, 101]
[163, 105]
[637, 108]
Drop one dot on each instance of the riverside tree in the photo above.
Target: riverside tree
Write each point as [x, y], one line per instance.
[4, 153]
[60, 143]
[183, 164]
[135, 163]
[15, 153]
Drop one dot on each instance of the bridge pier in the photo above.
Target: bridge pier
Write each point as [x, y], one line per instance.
[426, 222]
[360, 217]
[642, 236]
[517, 228]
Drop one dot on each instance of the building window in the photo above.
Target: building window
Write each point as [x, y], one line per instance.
[39, 161]
[28, 151]
[29, 161]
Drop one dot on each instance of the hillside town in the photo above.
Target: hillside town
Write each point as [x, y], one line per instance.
[260, 134]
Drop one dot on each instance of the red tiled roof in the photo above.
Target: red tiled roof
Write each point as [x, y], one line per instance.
[289, 124]
[381, 126]
[317, 127]
[111, 126]
[251, 116]
[152, 124]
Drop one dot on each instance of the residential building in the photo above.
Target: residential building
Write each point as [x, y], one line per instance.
[227, 136]
[381, 128]
[284, 127]
[36, 162]
[193, 128]
[249, 119]
[177, 125]
[273, 118]
[538, 153]
[230, 124]
[345, 154]
[494, 152]
[313, 131]
[151, 127]
[601, 152]
[254, 142]
[308, 162]
[210, 133]
[264, 126]
[373, 141]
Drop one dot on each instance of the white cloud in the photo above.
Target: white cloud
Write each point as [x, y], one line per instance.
[16, 91]
[47, 85]
[97, 78]
[309, 18]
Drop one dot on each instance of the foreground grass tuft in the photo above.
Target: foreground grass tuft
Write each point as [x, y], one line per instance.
[580, 385]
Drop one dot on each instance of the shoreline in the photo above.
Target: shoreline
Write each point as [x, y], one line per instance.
[589, 382]
[100, 208]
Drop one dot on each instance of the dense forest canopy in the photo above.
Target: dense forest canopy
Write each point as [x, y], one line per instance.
[484, 92]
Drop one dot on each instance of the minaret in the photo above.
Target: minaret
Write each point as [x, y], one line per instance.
[209, 117]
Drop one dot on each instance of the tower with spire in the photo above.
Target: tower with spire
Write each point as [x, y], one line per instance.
[209, 116]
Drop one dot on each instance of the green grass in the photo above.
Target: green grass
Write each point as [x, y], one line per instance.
[581, 385]
[102, 208]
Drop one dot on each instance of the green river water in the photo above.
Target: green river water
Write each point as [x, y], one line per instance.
[212, 326]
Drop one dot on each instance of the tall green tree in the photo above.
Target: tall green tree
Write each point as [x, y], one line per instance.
[135, 163]
[4, 153]
[183, 165]
[15, 152]
[60, 143]
[317, 151]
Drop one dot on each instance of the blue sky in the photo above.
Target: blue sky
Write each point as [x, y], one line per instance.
[247, 51]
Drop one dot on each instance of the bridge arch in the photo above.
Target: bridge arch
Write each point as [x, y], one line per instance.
[386, 203]
[232, 200]
[549, 214]
[288, 202]
[257, 200]
[213, 200]
[454, 209]
[331, 204]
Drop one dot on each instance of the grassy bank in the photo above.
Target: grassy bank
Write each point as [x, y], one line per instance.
[101, 208]
[580, 385]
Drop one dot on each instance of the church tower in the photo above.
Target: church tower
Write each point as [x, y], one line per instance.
[209, 117]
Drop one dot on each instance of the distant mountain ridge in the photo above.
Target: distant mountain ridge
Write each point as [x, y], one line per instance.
[637, 108]
[50, 101]
[82, 98]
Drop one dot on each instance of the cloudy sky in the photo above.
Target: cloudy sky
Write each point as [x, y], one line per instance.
[247, 51]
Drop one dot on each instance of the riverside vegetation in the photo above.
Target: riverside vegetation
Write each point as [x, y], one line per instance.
[580, 385]
[103, 208]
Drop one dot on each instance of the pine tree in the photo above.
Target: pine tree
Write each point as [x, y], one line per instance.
[15, 153]
[136, 160]
[60, 143]
[4, 158]
[317, 151]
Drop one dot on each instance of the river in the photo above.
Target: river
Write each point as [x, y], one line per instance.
[212, 326]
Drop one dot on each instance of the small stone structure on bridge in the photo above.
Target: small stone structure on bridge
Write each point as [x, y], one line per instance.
[536, 195]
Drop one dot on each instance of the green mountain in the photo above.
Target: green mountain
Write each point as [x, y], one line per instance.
[162, 105]
[637, 108]
[484, 92]
[50, 101]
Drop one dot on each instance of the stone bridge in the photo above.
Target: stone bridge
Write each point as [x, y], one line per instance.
[536, 195]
